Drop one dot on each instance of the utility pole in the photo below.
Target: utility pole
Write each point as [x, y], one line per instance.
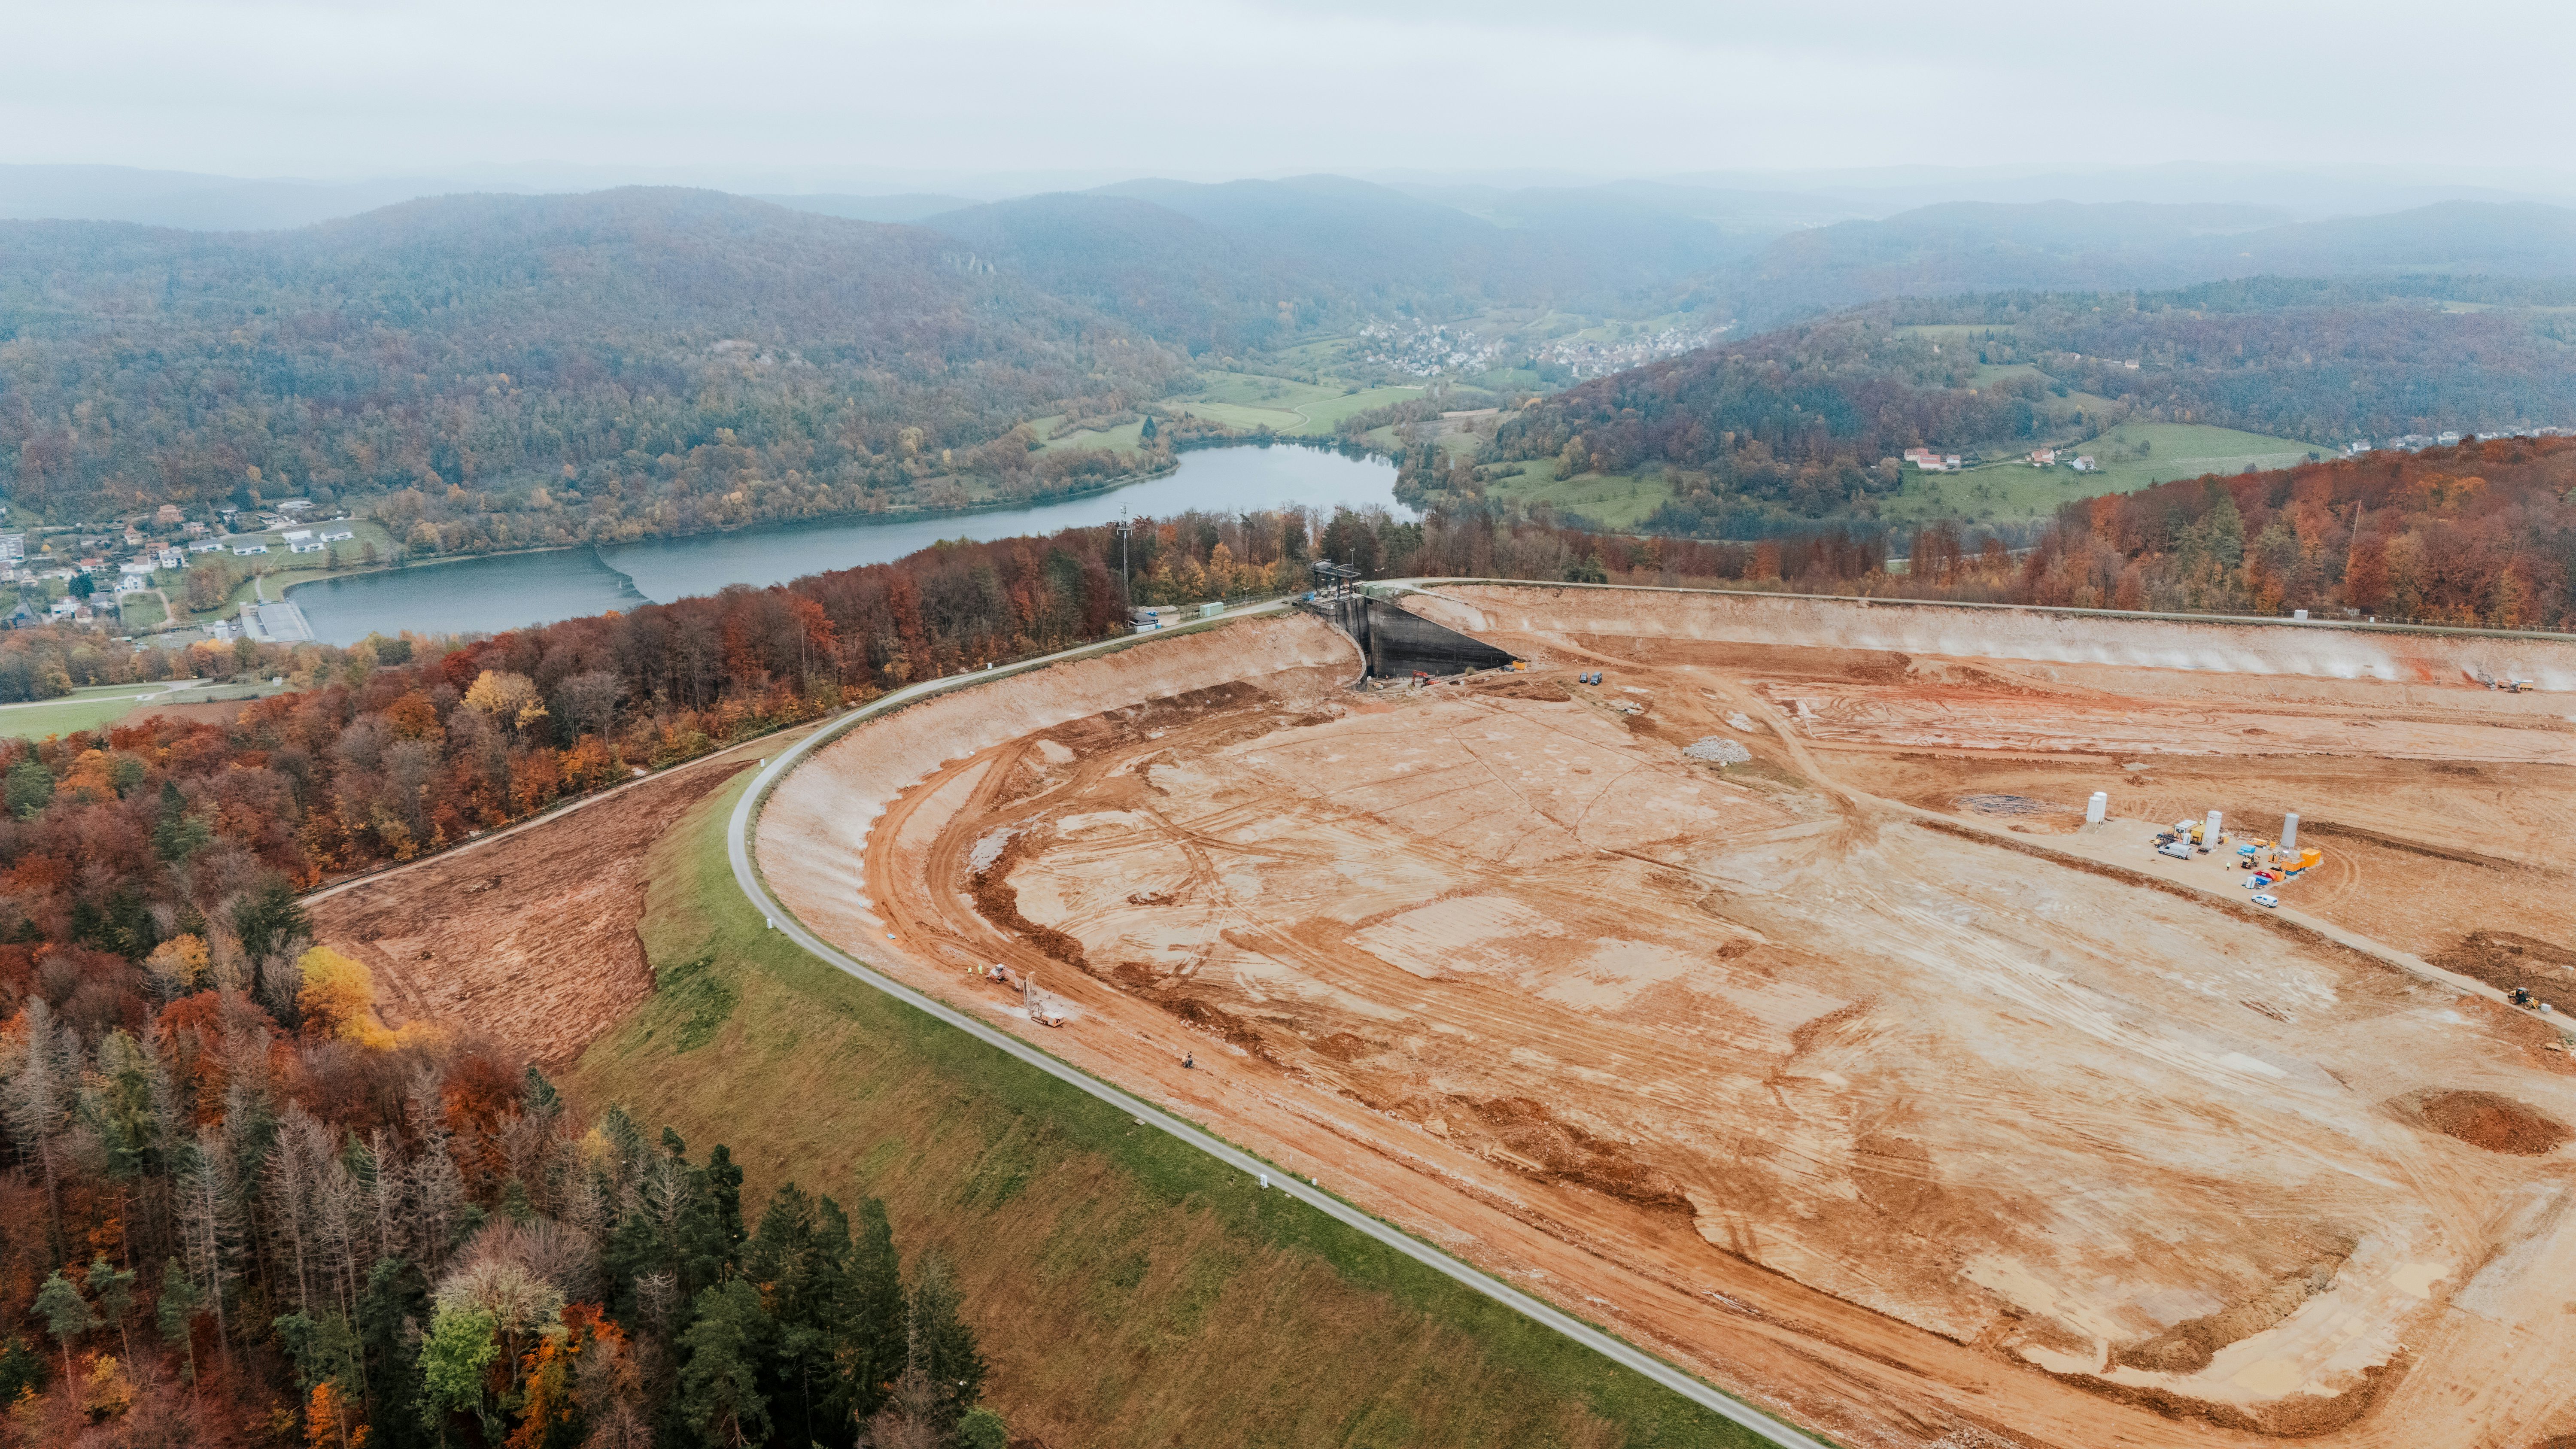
[1126, 589]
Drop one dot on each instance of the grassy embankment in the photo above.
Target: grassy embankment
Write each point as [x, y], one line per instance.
[82, 709]
[1127, 1289]
[99, 705]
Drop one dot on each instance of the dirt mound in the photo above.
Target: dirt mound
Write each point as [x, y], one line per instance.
[2509, 961]
[1000, 903]
[1534, 1140]
[204, 711]
[2485, 1119]
[2304, 1416]
[2188, 1346]
[1878, 668]
[2411, 847]
[1548, 691]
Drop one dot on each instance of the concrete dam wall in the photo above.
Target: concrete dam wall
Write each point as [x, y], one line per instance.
[1397, 643]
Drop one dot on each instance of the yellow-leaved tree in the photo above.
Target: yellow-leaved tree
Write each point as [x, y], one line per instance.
[338, 998]
[181, 961]
[510, 699]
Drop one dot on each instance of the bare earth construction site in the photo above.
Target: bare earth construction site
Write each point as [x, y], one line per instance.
[1861, 1078]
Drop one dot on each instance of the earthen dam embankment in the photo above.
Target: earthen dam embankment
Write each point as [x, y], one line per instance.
[2313, 649]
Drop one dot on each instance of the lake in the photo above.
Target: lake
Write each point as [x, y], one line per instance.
[513, 591]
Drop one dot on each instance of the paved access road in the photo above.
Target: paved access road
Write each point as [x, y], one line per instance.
[738, 849]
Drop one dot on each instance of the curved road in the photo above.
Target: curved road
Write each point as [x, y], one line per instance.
[745, 874]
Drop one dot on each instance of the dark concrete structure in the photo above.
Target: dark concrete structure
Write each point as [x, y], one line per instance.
[1397, 643]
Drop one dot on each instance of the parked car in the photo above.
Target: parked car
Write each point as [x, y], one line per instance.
[2176, 849]
[2267, 901]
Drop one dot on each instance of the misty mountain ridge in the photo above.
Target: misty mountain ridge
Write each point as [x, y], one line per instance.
[1249, 264]
[1967, 247]
[906, 206]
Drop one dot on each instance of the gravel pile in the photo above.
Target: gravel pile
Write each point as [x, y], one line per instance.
[1717, 750]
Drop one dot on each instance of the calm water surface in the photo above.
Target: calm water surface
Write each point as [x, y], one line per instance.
[488, 595]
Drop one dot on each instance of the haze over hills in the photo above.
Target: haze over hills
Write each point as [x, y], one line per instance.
[897, 207]
[1984, 246]
[2307, 193]
[1775, 200]
[190, 200]
[1251, 263]
[1202, 287]
[1209, 266]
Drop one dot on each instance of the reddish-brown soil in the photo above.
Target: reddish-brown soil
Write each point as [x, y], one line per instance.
[212, 711]
[2496, 1123]
[1906, 1136]
[528, 939]
[2510, 961]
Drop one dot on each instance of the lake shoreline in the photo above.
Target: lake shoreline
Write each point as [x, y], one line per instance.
[890, 517]
[514, 588]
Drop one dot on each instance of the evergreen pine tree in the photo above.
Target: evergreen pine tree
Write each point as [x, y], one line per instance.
[66, 1313]
[391, 1313]
[181, 1301]
[719, 1397]
[877, 1332]
[942, 1343]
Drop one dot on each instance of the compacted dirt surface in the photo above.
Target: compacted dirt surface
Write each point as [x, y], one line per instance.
[529, 939]
[1861, 1076]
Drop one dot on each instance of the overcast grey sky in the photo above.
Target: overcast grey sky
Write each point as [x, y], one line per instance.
[774, 92]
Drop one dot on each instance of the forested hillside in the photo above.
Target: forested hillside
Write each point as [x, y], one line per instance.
[556, 368]
[2483, 534]
[493, 372]
[2480, 534]
[2317, 359]
[1800, 423]
[233, 1226]
[1807, 422]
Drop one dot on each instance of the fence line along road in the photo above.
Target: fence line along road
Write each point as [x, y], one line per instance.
[747, 876]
